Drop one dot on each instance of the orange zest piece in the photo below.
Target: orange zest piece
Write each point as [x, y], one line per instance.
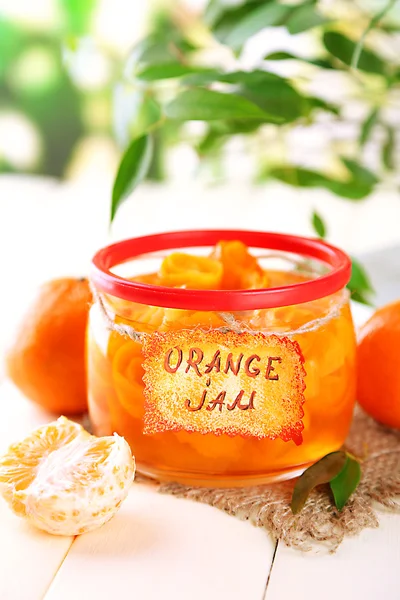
[64, 480]
[240, 269]
[196, 272]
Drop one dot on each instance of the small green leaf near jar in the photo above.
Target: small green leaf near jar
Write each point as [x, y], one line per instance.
[339, 469]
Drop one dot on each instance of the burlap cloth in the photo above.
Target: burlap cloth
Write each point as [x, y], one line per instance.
[319, 522]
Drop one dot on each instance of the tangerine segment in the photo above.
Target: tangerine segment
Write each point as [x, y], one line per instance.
[64, 480]
[197, 272]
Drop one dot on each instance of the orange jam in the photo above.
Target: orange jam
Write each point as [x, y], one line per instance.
[210, 393]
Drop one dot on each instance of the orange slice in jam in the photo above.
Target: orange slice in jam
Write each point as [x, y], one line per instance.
[127, 372]
[240, 269]
[195, 272]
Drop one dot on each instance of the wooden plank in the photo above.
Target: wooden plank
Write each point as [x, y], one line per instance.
[162, 547]
[29, 558]
[18, 416]
[364, 567]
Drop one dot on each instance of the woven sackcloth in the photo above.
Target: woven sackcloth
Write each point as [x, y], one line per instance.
[319, 522]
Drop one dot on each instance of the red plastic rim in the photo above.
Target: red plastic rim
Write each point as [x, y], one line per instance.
[230, 300]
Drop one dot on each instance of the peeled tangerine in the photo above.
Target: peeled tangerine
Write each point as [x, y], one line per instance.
[64, 480]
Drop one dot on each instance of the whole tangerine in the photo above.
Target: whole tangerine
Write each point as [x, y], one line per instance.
[378, 357]
[47, 358]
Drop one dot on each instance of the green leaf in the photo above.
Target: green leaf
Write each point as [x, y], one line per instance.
[254, 78]
[78, 15]
[343, 48]
[202, 78]
[271, 93]
[345, 483]
[388, 149]
[361, 298]
[360, 174]
[135, 113]
[217, 10]
[367, 126]
[132, 170]
[228, 18]
[207, 105]
[156, 171]
[359, 278]
[148, 52]
[316, 103]
[319, 62]
[299, 177]
[12, 44]
[267, 15]
[148, 116]
[165, 43]
[214, 12]
[360, 284]
[352, 190]
[211, 142]
[304, 17]
[318, 224]
[250, 78]
[168, 70]
[159, 49]
[219, 131]
[321, 472]
[278, 99]
[281, 56]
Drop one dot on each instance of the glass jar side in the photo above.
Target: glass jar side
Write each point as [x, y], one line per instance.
[324, 332]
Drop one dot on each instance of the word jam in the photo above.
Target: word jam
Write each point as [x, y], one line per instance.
[251, 366]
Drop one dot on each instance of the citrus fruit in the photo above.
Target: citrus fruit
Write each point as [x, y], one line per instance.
[47, 359]
[64, 480]
[378, 356]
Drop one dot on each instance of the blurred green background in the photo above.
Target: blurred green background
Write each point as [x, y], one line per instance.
[64, 110]
[55, 109]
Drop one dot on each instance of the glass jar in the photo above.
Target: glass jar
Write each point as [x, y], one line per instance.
[222, 387]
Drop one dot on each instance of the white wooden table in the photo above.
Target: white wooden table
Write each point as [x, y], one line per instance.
[159, 546]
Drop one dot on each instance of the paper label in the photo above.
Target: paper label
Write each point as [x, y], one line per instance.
[224, 383]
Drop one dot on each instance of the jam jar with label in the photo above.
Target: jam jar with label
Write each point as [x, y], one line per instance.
[225, 358]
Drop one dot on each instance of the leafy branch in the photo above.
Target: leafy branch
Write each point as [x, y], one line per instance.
[174, 85]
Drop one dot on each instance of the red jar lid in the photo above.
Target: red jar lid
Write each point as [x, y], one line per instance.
[221, 300]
